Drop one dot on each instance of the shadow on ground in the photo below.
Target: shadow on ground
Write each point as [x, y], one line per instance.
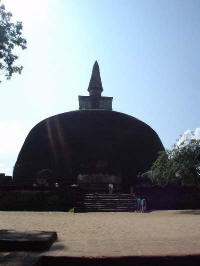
[195, 212]
[58, 247]
[121, 261]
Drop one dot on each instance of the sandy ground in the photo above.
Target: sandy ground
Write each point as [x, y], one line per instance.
[113, 234]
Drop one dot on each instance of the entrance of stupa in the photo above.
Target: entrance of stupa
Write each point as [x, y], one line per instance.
[98, 182]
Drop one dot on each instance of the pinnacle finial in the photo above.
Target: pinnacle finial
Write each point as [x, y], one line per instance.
[95, 86]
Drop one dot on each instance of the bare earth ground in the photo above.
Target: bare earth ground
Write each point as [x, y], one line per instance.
[113, 234]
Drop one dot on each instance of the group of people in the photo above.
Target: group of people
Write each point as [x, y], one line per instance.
[141, 205]
[141, 202]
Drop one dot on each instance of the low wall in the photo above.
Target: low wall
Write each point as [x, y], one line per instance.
[158, 198]
[21, 200]
[170, 197]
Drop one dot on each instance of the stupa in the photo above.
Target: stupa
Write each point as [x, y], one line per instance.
[91, 145]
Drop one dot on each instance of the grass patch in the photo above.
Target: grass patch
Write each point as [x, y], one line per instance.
[71, 210]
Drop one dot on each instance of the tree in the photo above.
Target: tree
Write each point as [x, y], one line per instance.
[186, 161]
[180, 165]
[161, 171]
[10, 37]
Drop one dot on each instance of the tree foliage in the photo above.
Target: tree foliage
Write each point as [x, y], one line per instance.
[10, 37]
[180, 165]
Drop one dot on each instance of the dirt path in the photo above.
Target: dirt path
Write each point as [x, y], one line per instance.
[113, 234]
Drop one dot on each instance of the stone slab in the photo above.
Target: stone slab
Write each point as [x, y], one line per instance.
[11, 240]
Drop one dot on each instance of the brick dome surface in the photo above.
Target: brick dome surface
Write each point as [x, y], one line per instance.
[88, 141]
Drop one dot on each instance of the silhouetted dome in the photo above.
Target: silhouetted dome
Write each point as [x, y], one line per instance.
[88, 141]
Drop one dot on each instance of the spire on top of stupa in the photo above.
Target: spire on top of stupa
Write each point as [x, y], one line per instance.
[95, 100]
[95, 86]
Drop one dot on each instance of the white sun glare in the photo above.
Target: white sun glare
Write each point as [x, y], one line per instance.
[27, 10]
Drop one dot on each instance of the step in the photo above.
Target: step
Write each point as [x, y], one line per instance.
[96, 202]
[106, 204]
[114, 205]
[109, 196]
[109, 200]
[122, 199]
[106, 207]
[109, 204]
[103, 210]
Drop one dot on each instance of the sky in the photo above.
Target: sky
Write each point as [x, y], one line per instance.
[147, 50]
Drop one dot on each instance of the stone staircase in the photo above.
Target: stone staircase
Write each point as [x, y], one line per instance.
[95, 202]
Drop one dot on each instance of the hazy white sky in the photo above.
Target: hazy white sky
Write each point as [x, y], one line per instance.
[148, 52]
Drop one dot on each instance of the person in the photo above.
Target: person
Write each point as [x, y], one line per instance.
[139, 204]
[132, 190]
[110, 188]
[57, 185]
[144, 205]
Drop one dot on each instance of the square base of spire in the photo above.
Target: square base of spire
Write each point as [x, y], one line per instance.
[89, 102]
